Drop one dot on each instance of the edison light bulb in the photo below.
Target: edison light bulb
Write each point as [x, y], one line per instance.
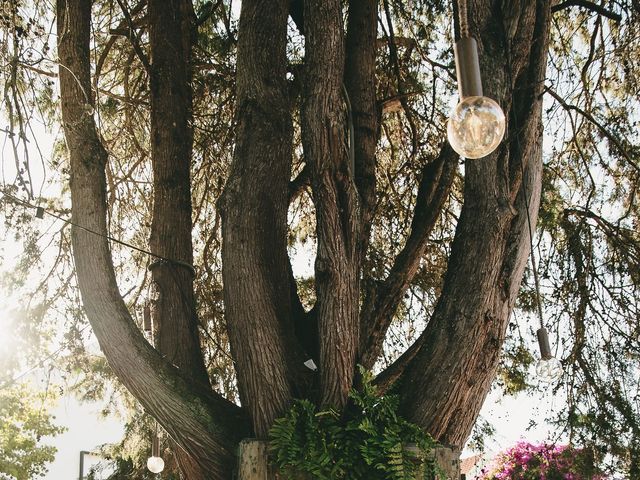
[155, 464]
[476, 127]
[549, 369]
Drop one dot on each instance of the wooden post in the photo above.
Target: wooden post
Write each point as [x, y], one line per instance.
[253, 461]
[448, 460]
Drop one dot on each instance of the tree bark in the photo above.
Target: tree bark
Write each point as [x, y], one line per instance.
[209, 426]
[335, 198]
[360, 82]
[177, 336]
[255, 269]
[446, 383]
[170, 32]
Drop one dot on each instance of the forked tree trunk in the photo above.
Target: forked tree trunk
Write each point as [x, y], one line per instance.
[446, 374]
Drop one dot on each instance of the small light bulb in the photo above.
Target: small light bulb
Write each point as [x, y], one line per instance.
[549, 369]
[476, 127]
[155, 464]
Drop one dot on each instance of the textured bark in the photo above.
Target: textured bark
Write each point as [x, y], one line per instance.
[446, 383]
[335, 198]
[209, 425]
[170, 30]
[255, 270]
[177, 336]
[360, 82]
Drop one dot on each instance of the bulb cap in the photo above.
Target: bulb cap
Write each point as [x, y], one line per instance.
[543, 343]
[468, 67]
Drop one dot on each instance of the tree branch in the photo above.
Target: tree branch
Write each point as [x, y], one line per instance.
[599, 9]
[615, 140]
[360, 82]
[380, 307]
[335, 198]
[256, 275]
[463, 338]
[170, 27]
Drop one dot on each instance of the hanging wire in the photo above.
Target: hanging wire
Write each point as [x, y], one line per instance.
[463, 19]
[40, 211]
[534, 269]
[525, 193]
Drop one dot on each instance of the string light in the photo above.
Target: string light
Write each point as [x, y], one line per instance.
[477, 124]
[155, 463]
[40, 212]
[549, 369]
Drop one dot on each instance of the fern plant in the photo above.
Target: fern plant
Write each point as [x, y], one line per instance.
[369, 441]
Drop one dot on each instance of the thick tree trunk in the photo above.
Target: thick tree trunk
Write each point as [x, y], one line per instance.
[254, 252]
[446, 383]
[170, 32]
[177, 338]
[335, 197]
[208, 425]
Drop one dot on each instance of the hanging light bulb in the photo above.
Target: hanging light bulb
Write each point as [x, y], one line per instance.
[476, 126]
[155, 464]
[548, 368]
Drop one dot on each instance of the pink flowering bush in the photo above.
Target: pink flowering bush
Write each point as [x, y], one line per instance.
[526, 461]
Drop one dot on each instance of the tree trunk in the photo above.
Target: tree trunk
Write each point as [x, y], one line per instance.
[255, 202]
[360, 83]
[177, 337]
[335, 198]
[445, 385]
[209, 426]
[170, 32]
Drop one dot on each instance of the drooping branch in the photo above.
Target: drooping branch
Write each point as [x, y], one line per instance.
[605, 131]
[380, 307]
[256, 275]
[599, 9]
[209, 425]
[335, 198]
[489, 253]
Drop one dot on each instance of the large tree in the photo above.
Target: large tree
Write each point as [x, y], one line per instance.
[335, 136]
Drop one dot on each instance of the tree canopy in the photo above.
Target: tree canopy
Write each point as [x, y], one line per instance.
[208, 151]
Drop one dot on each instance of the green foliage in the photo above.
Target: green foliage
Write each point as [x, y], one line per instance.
[23, 423]
[512, 372]
[369, 442]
